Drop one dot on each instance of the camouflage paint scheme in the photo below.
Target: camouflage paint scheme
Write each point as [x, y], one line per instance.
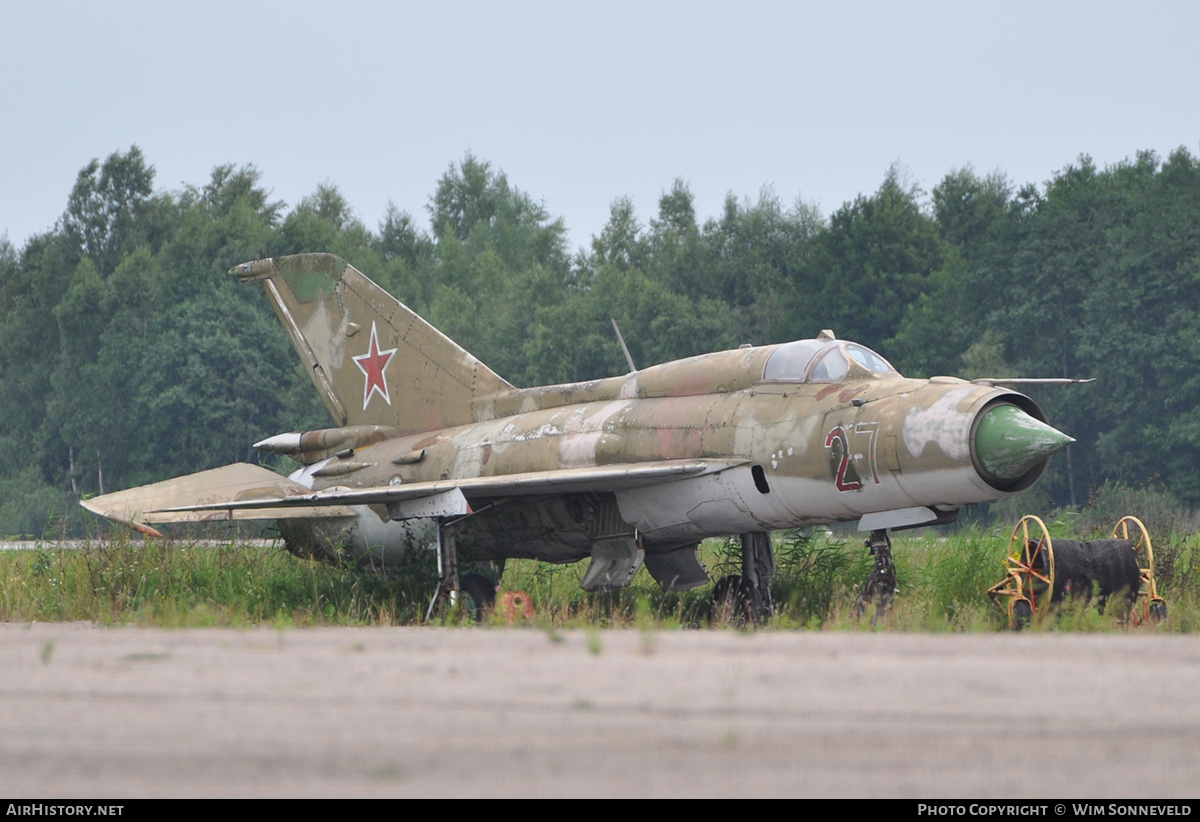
[751, 440]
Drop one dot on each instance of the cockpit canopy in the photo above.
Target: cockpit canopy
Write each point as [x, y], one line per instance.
[822, 361]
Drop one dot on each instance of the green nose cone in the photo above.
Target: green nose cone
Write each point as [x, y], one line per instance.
[1008, 442]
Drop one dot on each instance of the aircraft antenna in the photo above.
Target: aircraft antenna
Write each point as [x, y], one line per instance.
[624, 347]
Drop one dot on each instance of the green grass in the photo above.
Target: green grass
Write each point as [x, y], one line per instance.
[182, 584]
[943, 578]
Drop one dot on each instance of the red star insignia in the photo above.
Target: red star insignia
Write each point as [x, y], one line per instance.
[372, 364]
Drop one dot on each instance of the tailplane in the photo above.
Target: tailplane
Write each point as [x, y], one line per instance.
[371, 358]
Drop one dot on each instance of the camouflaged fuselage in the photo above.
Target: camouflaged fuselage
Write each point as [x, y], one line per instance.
[735, 442]
[811, 452]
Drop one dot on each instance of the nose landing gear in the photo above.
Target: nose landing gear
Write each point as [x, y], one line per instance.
[880, 589]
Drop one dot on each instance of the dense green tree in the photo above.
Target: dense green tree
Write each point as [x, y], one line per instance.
[758, 253]
[874, 260]
[112, 209]
[128, 354]
[970, 210]
[974, 217]
[1093, 276]
[620, 242]
[498, 258]
[228, 221]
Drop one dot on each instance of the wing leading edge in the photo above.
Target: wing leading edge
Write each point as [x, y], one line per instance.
[175, 500]
[595, 479]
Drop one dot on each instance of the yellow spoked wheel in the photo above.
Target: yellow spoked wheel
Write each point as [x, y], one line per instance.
[1153, 606]
[1028, 582]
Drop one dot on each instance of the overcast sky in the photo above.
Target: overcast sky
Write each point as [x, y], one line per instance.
[583, 103]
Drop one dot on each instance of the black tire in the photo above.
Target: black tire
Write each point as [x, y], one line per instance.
[733, 602]
[478, 595]
[1022, 614]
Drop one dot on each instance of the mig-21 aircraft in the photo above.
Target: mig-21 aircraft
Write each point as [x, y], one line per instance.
[626, 471]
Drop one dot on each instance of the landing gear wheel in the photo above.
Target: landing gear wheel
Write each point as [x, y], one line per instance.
[478, 595]
[880, 590]
[733, 601]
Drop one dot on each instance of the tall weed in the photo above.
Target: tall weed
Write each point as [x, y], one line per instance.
[943, 578]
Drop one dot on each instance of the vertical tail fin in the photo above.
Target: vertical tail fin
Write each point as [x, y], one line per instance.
[371, 358]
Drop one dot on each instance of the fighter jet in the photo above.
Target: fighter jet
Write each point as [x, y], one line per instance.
[626, 471]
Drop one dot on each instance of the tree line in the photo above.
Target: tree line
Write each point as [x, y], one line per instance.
[128, 355]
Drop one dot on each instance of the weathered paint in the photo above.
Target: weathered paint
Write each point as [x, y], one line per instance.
[698, 447]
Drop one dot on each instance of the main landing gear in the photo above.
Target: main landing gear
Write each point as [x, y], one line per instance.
[745, 598]
[475, 593]
[741, 599]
